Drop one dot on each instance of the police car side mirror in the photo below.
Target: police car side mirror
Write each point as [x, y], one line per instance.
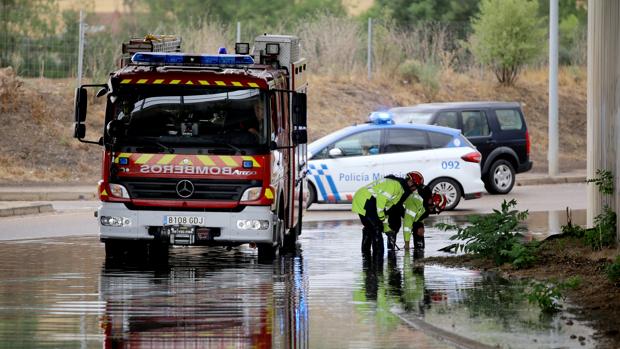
[335, 153]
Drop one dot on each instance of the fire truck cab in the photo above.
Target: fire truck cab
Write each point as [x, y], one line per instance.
[202, 149]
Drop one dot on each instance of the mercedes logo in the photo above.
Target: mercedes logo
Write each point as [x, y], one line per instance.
[185, 188]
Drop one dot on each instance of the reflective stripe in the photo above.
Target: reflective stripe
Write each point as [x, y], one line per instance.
[411, 213]
[387, 195]
[407, 230]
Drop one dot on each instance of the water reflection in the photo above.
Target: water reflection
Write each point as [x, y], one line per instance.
[61, 294]
[202, 299]
[537, 224]
[469, 304]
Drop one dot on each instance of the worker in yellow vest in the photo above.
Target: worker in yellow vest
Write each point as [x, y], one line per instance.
[372, 201]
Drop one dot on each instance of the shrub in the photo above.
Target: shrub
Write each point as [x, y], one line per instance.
[507, 35]
[604, 232]
[613, 270]
[493, 236]
[546, 296]
[522, 255]
[425, 74]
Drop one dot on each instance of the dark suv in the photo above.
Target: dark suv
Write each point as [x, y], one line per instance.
[497, 129]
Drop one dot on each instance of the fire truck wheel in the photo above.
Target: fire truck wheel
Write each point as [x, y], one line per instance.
[311, 195]
[114, 249]
[266, 252]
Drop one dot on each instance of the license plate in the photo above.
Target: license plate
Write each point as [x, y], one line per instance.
[183, 220]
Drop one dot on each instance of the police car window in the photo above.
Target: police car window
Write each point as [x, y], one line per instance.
[475, 124]
[439, 140]
[447, 119]
[363, 143]
[509, 119]
[400, 140]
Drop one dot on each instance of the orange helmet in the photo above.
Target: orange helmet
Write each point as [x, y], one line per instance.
[439, 201]
[416, 177]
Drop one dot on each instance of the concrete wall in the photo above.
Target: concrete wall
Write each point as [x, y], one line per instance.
[603, 99]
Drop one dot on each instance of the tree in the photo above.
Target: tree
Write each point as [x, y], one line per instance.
[507, 34]
[410, 13]
[257, 14]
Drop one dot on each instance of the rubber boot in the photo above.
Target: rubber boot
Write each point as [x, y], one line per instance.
[391, 241]
[366, 241]
[377, 244]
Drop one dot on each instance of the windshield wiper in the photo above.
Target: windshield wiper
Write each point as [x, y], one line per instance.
[230, 146]
[154, 141]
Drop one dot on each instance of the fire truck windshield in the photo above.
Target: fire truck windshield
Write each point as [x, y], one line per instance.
[190, 117]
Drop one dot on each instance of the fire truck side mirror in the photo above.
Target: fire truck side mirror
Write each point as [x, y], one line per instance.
[299, 109]
[300, 136]
[81, 98]
[80, 131]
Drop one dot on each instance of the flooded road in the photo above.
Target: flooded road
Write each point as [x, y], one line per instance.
[61, 293]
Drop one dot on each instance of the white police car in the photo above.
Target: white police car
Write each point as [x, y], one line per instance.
[345, 160]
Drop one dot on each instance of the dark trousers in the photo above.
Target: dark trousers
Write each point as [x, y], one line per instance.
[372, 233]
[418, 241]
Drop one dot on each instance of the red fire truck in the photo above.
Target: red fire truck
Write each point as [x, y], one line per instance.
[202, 149]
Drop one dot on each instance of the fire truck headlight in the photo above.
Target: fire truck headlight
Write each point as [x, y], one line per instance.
[119, 191]
[253, 224]
[251, 194]
[112, 221]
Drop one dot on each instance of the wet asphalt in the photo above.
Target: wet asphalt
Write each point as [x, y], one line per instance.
[62, 293]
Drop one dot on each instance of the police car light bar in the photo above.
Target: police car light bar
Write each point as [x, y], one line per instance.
[182, 58]
[381, 117]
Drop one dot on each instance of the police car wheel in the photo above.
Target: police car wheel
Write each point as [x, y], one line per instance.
[450, 188]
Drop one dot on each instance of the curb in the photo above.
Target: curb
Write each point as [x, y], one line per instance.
[46, 196]
[550, 180]
[26, 210]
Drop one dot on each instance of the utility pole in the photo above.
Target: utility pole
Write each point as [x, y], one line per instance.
[369, 48]
[552, 154]
[80, 50]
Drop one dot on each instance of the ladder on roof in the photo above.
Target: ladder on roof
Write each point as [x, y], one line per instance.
[150, 43]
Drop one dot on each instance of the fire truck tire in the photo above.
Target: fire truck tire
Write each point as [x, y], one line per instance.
[114, 249]
[266, 252]
[290, 240]
[311, 195]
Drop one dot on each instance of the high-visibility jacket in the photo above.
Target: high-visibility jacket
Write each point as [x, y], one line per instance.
[414, 211]
[387, 192]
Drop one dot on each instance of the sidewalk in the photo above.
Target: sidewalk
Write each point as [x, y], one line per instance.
[18, 200]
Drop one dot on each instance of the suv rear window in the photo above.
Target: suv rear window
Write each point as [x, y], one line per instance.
[509, 119]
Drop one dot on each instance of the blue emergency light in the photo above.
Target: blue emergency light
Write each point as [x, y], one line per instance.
[381, 118]
[189, 59]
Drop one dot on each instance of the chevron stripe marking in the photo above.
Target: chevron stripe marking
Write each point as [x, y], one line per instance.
[203, 82]
[206, 160]
[237, 83]
[166, 159]
[252, 84]
[158, 81]
[143, 159]
[174, 82]
[228, 160]
[220, 83]
[125, 81]
[142, 81]
[189, 82]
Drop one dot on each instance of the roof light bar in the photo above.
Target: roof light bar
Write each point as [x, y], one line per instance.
[381, 118]
[154, 58]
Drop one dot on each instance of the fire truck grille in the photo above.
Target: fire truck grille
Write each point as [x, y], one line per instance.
[191, 189]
